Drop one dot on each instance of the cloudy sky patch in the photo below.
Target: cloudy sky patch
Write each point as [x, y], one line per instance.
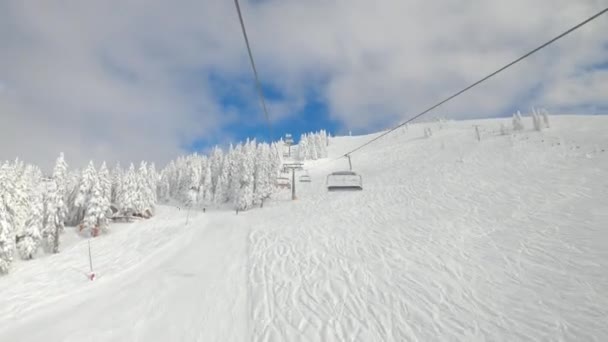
[131, 80]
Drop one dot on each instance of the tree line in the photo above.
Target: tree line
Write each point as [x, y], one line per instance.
[34, 209]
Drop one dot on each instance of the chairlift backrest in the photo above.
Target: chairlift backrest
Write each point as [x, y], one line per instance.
[283, 182]
[344, 180]
[305, 178]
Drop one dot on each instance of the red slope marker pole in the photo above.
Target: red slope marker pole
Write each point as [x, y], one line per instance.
[91, 274]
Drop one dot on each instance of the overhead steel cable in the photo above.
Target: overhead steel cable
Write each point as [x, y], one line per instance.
[255, 71]
[528, 54]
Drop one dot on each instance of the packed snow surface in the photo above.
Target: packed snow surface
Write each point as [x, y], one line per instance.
[503, 239]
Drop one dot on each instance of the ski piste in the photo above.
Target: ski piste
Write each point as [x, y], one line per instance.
[451, 239]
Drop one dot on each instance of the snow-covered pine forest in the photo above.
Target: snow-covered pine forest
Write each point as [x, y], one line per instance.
[313, 146]
[34, 209]
[242, 177]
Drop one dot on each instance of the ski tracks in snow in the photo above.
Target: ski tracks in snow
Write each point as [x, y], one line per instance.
[446, 250]
[506, 242]
[195, 290]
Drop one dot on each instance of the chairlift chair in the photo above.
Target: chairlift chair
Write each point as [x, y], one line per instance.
[305, 178]
[344, 181]
[283, 182]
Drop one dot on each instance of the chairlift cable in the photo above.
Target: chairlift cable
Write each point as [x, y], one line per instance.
[255, 72]
[528, 54]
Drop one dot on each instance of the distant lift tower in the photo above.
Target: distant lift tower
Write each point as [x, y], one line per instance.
[288, 142]
[293, 167]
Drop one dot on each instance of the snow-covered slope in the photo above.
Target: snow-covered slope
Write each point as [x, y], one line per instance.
[451, 239]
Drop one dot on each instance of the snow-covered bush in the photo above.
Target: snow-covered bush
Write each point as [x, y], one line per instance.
[518, 122]
[536, 120]
[428, 132]
[540, 119]
[545, 115]
[503, 129]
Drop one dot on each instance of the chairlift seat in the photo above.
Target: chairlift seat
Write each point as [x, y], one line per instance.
[305, 178]
[344, 181]
[283, 182]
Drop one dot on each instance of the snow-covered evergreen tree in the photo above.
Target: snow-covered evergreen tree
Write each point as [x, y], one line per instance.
[312, 147]
[117, 175]
[207, 184]
[223, 182]
[20, 205]
[105, 182]
[165, 182]
[200, 163]
[7, 239]
[234, 173]
[7, 234]
[325, 137]
[31, 237]
[153, 179]
[244, 194]
[85, 188]
[163, 186]
[95, 220]
[320, 146]
[61, 185]
[73, 212]
[128, 192]
[60, 175]
[54, 217]
[191, 184]
[145, 196]
[303, 148]
[262, 175]
[276, 162]
[215, 163]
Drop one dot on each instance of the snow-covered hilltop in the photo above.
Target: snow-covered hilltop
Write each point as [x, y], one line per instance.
[465, 230]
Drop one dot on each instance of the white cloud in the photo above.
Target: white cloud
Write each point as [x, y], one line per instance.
[579, 89]
[390, 59]
[120, 80]
[104, 80]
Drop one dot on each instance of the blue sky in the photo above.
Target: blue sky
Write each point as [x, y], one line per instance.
[149, 80]
[313, 117]
[240, 96]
